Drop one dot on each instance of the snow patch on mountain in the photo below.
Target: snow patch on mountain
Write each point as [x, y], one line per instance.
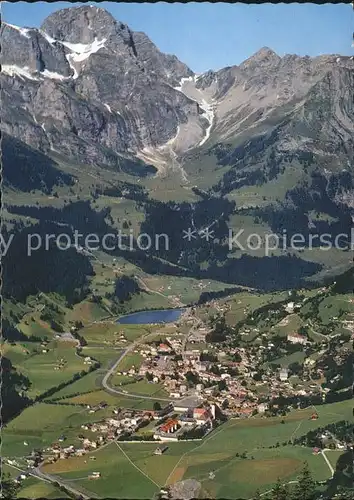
[13, 70]
[23, 31]
[205, 106]
[81, 51]
[181, 83]
[54, 75]
[76, 73]
[208, 109]
[47, 37]
[25, 72]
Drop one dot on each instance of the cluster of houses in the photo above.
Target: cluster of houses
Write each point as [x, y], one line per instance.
[222, 376]
[171, 423]
[94, 435]
[191, 418]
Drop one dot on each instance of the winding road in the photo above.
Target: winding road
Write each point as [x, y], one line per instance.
[54, 479]
[47, 478]
[112, 370]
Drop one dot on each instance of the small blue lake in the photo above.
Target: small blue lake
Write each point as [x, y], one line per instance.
[150, 317]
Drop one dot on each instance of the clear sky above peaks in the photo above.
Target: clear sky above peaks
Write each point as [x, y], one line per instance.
[211, 36]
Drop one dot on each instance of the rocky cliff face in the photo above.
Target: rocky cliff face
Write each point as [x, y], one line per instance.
[93, 25]
[31, 49]
[282, 109]
[89, 88]
[269, 87]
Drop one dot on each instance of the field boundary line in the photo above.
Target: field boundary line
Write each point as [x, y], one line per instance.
[292, 437]
[323, 453]
[212, 434]
[134, 465]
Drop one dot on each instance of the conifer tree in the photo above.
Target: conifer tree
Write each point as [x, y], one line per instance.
[280, 491]
[305, 489]
[8, 487]
[257, 495]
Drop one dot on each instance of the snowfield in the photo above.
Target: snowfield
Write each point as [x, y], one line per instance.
[205, 106]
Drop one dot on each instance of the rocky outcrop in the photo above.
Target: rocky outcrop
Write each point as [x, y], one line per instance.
[31, 49]
[165, 66]
[89, 88]
[85, 25]
[266, 88]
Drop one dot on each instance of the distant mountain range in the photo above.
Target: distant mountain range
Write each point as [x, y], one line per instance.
[86, 86]
[95, 108]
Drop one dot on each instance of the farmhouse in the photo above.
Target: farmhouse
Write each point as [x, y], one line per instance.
[290, 307]
[170, 427]
[262, 407]
[168, 431]
[160, 450]
[94, 475]
[201, 415]
[164, 348]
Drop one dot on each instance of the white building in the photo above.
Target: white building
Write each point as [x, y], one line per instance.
[295, 338]
[213, 411]
[290, 307]
[262, 407]
[283, 374]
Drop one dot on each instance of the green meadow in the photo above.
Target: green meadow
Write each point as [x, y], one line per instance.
[217, 461]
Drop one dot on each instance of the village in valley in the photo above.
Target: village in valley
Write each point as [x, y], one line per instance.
[177, 307]
[187, 380]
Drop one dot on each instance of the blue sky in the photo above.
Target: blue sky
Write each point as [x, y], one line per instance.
[211, 36]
